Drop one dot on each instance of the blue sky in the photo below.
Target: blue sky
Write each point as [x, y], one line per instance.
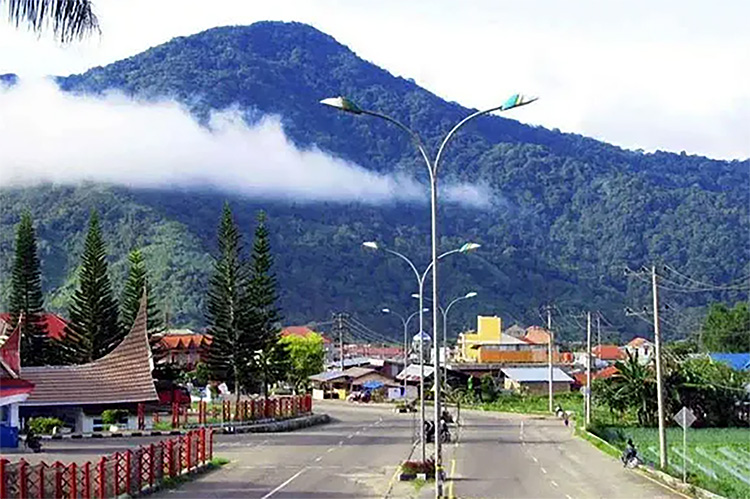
[672, 75]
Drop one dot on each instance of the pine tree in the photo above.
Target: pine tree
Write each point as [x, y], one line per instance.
[93, 330]
[26, 297]
[266, 317]
[227, 311]
[131, 297]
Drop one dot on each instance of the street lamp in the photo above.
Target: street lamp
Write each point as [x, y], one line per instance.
[405, 322]
[421, 277]
[348, 105]
[444, 311]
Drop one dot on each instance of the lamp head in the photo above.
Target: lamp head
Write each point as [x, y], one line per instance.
[469, 247]
[425, 310]
[517, 100]
[470, 294]
[370, 244]
[415, 295]
[342, 104]
[386, 310]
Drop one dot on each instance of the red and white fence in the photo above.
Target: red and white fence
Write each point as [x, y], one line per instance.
[129, 472]
[243, 411]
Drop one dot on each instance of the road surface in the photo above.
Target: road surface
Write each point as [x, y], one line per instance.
[526, 457]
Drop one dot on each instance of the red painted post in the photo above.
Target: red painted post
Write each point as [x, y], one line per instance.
[102, 478]
[203, 445]
[117, 474]
[188, 455]
[58, 479]
[175, 415]
[128, 463]
[86, 492]
[22, 485]
[210, 444]
[42, 465]
[3, 493]
[170, 451]
[73, 477]
[151, 465]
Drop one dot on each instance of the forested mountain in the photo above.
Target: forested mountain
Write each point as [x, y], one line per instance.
[568, 212]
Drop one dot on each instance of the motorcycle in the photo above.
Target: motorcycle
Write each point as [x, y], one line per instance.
[33, 442]
[429, 431]
[630, 460]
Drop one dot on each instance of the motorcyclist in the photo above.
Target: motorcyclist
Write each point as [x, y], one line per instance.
[630, 452]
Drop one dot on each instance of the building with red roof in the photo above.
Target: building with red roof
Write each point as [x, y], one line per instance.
[55, 324]
[608, 352]
[182, 348]
[78, 394]
[13, 389]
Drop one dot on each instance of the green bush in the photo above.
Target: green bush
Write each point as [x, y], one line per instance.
[45, 425]
[113, 416]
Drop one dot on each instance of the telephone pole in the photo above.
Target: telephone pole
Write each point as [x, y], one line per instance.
[599, 333]
[588, 370]
[338, 326]
[549, 354]
[659, 384]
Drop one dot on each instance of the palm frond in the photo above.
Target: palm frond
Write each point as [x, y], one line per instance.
[69, 19]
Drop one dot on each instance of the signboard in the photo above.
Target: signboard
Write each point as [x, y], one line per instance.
[685, 418]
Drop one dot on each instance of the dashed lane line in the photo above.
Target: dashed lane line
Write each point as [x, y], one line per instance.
[287, 482]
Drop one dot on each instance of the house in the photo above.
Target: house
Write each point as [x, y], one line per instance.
[13, 389]
[489, 346]
[54, 323]
[609, 353]
[581, 378]
[737, 361]
[341, 383]
[183, 348]
[537, 335]
[516, 331]
[535, 380]
[641, 347]
[77, 394]
[386, 367]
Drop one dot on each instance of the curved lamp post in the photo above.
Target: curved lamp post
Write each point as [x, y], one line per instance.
[347, 105]
[444, 311]
[405, 323]
[421, 277]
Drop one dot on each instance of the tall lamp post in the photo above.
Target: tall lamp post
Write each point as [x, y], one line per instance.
[405, 323]
[421, 277]
[347, 105]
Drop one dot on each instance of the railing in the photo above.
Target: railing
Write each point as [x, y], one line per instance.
[129, 472]
[243, 411]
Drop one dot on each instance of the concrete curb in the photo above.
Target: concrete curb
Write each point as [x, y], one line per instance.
[256, 427]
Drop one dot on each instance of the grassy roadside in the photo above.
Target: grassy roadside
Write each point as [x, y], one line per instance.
[173, 482]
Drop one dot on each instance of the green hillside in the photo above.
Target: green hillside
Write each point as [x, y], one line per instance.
[568, 214]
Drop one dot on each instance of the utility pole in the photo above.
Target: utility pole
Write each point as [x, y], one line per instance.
[659, 384]
[599, 333]
[338, 324]
[549, 354]
[588, 370]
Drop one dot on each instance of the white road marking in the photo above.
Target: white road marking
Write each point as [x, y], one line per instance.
[317, 459]
[543, 470]
[331, 449]
[567, 496]
[350, 436]
[284, 484]
[554, 483]
[535, 459]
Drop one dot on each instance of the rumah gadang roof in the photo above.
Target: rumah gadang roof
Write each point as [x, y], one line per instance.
[121, 376]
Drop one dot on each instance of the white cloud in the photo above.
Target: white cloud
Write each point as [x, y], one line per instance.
[50, 136]
[589, 61]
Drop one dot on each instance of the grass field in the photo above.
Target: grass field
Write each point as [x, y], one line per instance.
[717, 459]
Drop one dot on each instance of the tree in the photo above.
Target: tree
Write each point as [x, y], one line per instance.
[727, 329]
[26, 297]
[70, 19]
[136, 282]
[306, 357]
[228, 309]
[93, 330]
[633, 386]
[271, 364]
[262, 301]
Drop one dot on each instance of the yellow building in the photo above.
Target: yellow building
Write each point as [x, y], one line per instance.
[489, 332]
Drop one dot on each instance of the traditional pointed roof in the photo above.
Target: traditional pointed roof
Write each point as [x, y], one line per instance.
[121, 376]
[10, 353]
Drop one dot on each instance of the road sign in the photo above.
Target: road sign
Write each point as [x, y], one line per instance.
[685, 418]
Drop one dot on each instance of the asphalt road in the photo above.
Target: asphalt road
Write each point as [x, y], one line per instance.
[524, 457]
[354, 456]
